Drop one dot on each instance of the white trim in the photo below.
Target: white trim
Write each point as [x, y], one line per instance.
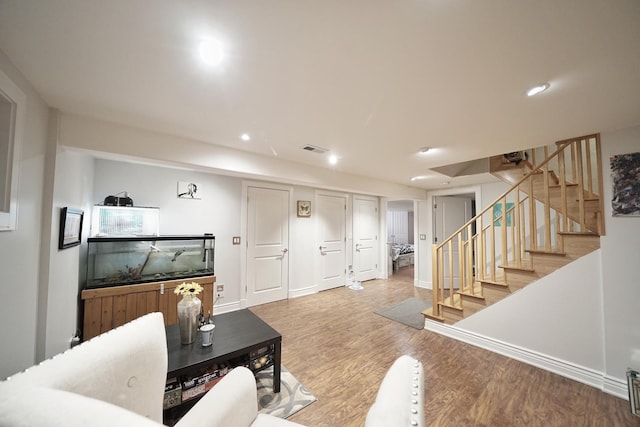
[226, 308]
[615, 386]
[317, 273]
[243, 232]
[423, 284]
[561, 367]
[14, 95]
[310, 290]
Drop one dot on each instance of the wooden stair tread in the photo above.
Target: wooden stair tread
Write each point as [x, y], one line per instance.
[520, 267]
[543, 251]
[578, 233]
[454, 302]
[493, 282]
[428, 313]
[474, 292]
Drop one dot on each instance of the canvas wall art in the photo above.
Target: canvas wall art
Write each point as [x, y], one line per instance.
[625, 176]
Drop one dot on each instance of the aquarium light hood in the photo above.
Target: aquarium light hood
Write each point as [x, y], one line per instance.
[118, 201]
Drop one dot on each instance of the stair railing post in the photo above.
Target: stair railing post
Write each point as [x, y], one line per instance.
[435, 285]
[580, 183]
[600, 193]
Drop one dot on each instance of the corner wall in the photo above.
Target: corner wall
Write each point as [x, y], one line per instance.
[20, 260]
[620, 267]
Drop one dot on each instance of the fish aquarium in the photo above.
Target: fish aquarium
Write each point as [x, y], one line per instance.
[114, 261]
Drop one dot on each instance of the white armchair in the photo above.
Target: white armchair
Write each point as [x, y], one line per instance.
[118, 378]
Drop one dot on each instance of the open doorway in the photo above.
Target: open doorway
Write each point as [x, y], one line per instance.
[400, 239]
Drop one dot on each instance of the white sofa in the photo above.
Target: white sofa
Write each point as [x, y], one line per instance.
[118, 378]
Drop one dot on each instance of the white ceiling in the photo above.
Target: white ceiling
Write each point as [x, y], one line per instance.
[370, 80]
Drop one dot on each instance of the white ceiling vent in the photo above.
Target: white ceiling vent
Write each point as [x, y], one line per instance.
[314, 149]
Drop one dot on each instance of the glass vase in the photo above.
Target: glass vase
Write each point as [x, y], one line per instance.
[188, 318]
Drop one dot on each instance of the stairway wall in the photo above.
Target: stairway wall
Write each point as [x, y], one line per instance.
[557, 315]
[609, 297]
[620, 267]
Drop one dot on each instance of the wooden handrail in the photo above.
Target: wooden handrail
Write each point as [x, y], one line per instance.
[531, 215]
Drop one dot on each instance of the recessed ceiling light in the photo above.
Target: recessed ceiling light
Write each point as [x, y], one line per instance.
[538, 89]
[211, 52]
[245, 137]
[424, 150]
[419, 177]
[333, 159]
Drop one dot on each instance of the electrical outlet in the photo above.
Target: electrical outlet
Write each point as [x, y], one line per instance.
[219, 290]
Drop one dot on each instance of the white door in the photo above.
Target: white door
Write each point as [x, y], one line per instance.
[365, 238]
[449, 214]
[331, 229]
[267, 245]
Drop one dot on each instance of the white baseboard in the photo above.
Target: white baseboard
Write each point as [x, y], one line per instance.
[422, 284]
[615, 386]
[226, 308]
[599, 380]
[295, 293]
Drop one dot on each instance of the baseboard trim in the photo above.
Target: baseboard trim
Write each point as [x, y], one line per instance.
[566, 369]
[296, 293]
[422, 284]
[615, 386]
[226, 308]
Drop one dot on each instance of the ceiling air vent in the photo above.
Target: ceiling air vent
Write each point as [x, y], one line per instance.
[314, 149]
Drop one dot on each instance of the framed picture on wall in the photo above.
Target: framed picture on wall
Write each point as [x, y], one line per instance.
[189, 190]
[625, 175]
[70, 228]
[304, 208]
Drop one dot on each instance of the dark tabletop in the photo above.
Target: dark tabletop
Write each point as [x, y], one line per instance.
[235, 334]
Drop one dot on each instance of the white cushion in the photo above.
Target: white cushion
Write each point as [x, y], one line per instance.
[126, 366]
[47, 407]
[400, 400]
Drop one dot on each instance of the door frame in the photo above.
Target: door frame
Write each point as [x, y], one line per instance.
[425, 263]
[384, 208]
[351, 238]
[244, 211]
[347, 234]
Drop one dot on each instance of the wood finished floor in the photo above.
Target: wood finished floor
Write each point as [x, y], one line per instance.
[337, 347]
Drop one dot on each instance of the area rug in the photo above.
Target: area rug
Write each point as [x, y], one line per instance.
[408, 312]
[293, 395]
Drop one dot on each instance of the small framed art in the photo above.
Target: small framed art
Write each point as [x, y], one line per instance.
[70, 228]
[189, 190]
[304, 208]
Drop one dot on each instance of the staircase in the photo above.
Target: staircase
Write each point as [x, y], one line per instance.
[552, 215]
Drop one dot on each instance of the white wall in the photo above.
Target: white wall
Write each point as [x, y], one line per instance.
[620, 268]
[217, 212]
[157, 148]
[585, 314]
[20, 249]
[558, 315]
[73, 187]
[302, 252]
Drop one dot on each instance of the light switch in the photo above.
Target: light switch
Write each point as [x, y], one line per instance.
[423, 237]
[236, 240]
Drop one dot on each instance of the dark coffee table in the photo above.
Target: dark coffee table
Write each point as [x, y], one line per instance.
[237, 334]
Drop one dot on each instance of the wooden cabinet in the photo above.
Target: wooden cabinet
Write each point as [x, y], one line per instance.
[107, 308]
